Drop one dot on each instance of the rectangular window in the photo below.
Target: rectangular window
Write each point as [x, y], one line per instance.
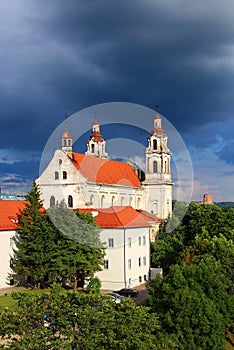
[144, 260]
[111, 242]
[106, 264]
[144, 240]
[129, 242]
[139, 240]
[145, 278]
[129, 264]
[140, 279]
[139, 261]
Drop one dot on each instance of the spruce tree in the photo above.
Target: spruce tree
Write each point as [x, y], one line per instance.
[34, 242]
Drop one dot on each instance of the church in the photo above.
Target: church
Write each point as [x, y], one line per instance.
[92, 180]
[128, 205]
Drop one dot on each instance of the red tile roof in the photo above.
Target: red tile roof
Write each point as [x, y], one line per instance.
[9, 211]
[120, 217]
[105, 171]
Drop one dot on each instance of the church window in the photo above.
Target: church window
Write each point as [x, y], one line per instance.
[139, 261]
[64, 143]
[60, 161]
[52, 201]
[130, 201]
[140, 279]
[91, 199]
[122, 201]
[145, 278]
[69, 142]
[70, 201]
[102, 201]
[56, 175]
[92, 148]
[155, 166]
[112, 200]
[154, 144]
[64, 175]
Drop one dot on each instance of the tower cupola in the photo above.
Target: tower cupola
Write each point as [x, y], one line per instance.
[67, 140]
[96, 146]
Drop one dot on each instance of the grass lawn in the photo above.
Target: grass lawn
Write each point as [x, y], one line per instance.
[8, 301]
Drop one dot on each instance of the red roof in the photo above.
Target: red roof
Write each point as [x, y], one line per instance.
[9, 214]
[9, 211]
[120, 217]
[105, 171]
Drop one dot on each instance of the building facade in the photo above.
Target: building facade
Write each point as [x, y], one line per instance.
[93, 180]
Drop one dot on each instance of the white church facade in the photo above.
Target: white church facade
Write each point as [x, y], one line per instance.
[92, 180]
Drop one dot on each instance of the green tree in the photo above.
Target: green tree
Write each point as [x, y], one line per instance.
[79, 251]
[77, 320]
[34, 241]
[193, 304]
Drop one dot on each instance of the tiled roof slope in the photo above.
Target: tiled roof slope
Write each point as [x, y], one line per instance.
[120, 217]
[105, 171]
[9, 211]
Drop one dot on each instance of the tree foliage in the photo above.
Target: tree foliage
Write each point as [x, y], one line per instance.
[57, 245]
[194, 298]
[77, 320]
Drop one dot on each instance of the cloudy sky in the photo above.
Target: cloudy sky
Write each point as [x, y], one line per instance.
[63, 56]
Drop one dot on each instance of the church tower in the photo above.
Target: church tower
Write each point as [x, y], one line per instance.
[67, 140]
[96, 146]
[157, 184]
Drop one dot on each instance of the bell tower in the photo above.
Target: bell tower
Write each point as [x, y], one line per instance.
[157, 182]
[96, 146]
[67, 140]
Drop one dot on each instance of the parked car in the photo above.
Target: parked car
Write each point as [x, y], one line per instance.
[128, 292]
[115, 297]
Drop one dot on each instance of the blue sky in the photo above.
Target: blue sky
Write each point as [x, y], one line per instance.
[59, 57]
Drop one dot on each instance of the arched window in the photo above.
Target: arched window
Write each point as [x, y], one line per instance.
[91, 199]
[52, 201]
[165, 166]
[122, 201]
[64, 175]
[130, 201]
[154, 144]
[64, 143]
[102, 201]
[155, 166]
[70, 201]
[112, 200]
[92, 148]
[56, 175]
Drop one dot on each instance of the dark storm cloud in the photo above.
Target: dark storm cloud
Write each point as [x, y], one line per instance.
[59, 57]
[68, 56]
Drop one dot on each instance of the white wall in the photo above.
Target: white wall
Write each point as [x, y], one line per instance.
[119, 275]
[5, 251]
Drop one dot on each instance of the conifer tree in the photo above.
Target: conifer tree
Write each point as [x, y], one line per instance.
[34, 242]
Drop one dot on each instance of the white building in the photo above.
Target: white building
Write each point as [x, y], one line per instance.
[9, 210]
[126, 234]
[93, 180]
